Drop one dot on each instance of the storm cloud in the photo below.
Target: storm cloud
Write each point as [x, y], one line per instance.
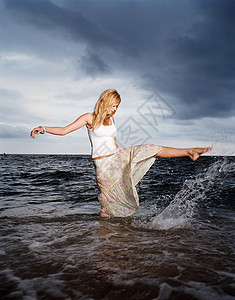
[47, 15]
[184, 50]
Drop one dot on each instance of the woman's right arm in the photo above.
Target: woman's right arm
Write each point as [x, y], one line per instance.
[85, 119]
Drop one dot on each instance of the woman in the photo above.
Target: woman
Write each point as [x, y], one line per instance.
[117, 171]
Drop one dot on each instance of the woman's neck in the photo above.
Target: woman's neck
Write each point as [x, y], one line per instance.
[107, 121]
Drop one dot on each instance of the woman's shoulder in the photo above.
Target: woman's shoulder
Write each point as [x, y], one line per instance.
[89, 119]
[89, 115]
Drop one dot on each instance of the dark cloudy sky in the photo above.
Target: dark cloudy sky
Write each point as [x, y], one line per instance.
[173, 63]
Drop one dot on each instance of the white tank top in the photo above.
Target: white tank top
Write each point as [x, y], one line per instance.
[102, 140]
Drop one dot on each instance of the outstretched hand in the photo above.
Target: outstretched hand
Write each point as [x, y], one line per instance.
[36, 130]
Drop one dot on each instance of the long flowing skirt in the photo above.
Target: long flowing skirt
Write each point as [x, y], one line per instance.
[117, 177]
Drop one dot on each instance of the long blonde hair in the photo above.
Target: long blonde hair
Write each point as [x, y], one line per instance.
[100, 114]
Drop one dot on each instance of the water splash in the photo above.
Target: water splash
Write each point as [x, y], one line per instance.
[180, 212]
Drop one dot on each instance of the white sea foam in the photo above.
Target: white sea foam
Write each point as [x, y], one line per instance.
[196, 290]
[200, 290]
[28, 289]
[181, 211]
[165, 291]
[38, 246]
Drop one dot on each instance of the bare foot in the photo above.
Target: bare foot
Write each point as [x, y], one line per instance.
[194, 153]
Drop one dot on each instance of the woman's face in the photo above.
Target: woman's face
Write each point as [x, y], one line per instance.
[113, 109]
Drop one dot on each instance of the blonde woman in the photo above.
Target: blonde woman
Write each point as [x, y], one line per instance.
[117, 170]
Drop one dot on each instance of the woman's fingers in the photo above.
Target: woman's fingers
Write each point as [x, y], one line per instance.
[32, 134]
[36, 130]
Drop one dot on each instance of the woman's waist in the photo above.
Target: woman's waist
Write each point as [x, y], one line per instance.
[103, 156]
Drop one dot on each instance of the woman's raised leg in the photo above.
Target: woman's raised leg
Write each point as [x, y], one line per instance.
[193, 153]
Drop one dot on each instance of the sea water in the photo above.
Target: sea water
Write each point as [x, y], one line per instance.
[54, 245]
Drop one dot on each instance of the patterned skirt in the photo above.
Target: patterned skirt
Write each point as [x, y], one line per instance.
[117, 177]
